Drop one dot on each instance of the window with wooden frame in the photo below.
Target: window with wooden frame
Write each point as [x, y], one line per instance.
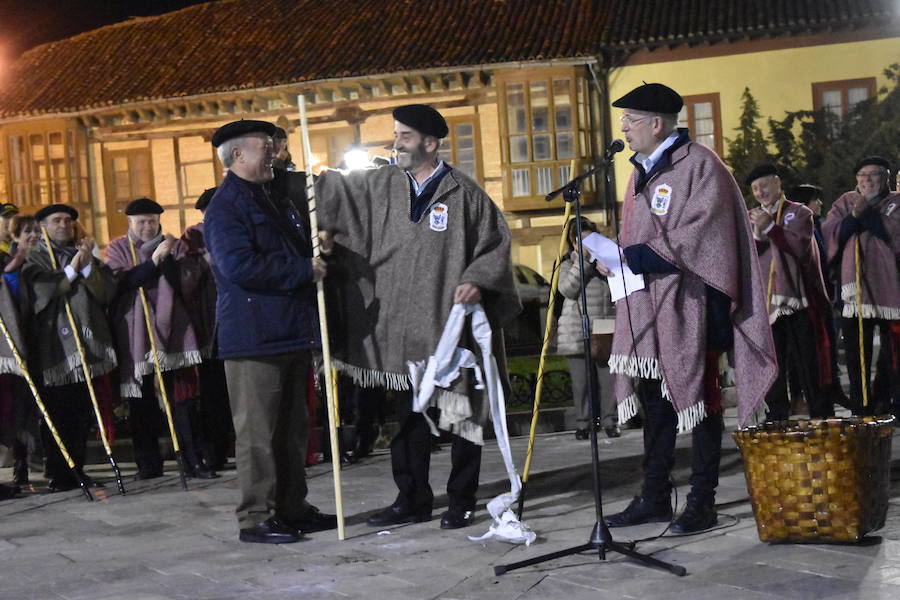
[461, 148]
[703, 118]
[839, 97]
[542, 116]
[46, 167]
[198, 170]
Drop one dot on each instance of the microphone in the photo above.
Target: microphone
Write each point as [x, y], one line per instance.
[616, 145]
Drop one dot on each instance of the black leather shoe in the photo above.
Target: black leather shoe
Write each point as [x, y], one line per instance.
[456, 518]
[61, 485]
[313, 520]
[641, 511]
[8, 491]
[395, 515]
[20, 472]
[200, 472]
[582, 434]
[697, 516]
[270, 531]
[612, 431]
[149, 473]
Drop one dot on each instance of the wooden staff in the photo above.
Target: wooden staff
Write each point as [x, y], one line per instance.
[323, 319]
[771, 285]
[76, 334]
[159, 377]
[545, 348]
[23, 369]
[863, 379]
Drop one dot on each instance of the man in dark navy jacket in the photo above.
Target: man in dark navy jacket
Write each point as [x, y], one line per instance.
[267, 326]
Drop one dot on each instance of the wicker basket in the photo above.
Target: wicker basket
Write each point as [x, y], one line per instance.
[818, 480]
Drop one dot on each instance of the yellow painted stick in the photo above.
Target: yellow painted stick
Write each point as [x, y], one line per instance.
[330, 393]
[859, 318]
[157, 368]
[545, 347]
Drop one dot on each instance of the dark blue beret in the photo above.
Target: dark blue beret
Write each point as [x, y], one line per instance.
[762, 170]
[143, 206]
[652, 97]
[871, 160]
[53, 209]
[423, 119]
[204, 199]
[239, 128]
[804, 193]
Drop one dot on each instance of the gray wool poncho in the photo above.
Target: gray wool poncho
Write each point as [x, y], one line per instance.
[391, 280]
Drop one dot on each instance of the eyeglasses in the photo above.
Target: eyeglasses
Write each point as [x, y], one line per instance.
[869, 175]
[629, 120]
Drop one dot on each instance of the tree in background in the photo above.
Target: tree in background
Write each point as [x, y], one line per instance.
[820, 147]
[749, 147]
[817, 146]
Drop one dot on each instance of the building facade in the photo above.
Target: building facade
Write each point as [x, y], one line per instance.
[128, 110]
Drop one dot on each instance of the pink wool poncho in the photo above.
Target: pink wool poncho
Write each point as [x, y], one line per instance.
[692, 215]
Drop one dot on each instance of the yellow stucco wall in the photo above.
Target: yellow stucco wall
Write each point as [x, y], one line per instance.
[780, 80]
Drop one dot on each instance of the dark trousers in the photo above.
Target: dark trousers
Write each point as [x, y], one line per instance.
[148, 422]
[216, 428]
[411, 462]
[884, 388]
[268, 406]
[70, 410]
[795, 349]
[660, 425]
[606, 411]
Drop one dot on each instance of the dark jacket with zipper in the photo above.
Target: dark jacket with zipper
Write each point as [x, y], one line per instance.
[261, 256]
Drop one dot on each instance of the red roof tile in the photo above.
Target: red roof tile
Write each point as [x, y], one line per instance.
[245, 44]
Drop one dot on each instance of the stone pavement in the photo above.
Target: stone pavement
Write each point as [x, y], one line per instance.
[160, 542]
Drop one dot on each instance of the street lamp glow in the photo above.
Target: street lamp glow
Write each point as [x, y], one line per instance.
[356, 158]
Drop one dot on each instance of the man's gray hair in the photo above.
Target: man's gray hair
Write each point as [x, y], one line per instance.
[226, 151]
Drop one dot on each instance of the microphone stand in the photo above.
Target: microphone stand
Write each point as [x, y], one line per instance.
[600, 539]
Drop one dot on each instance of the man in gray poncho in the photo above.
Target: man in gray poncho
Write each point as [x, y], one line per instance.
[411, 242]
[89, 286]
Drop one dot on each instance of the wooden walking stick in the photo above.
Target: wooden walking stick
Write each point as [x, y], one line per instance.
[323, 320]
[76, 335]
[551, 303]
[863, 378]
[159, 377]
[23, 369]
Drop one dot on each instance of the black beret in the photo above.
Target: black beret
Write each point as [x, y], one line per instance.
[143, 206]
[762, 170]
[652, 97]
[204, 199]
[804, 193]
[871, 160]
[423, 119]
[8, 209]
[53, 209]
[239, 128]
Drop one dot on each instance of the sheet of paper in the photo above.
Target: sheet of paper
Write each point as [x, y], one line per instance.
[607, 251]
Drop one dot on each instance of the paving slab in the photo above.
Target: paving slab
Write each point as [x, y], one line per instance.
[160, 542]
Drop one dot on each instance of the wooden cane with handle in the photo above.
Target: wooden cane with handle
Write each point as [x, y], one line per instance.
[323, 320]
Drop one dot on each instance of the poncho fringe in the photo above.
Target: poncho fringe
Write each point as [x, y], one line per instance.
[70, 371]
[869, 311]
[369, 378]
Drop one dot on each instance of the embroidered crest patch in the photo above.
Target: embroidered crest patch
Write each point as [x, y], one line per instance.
[438, 218]
[789, 217]
[662, 196]
[890, 208]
